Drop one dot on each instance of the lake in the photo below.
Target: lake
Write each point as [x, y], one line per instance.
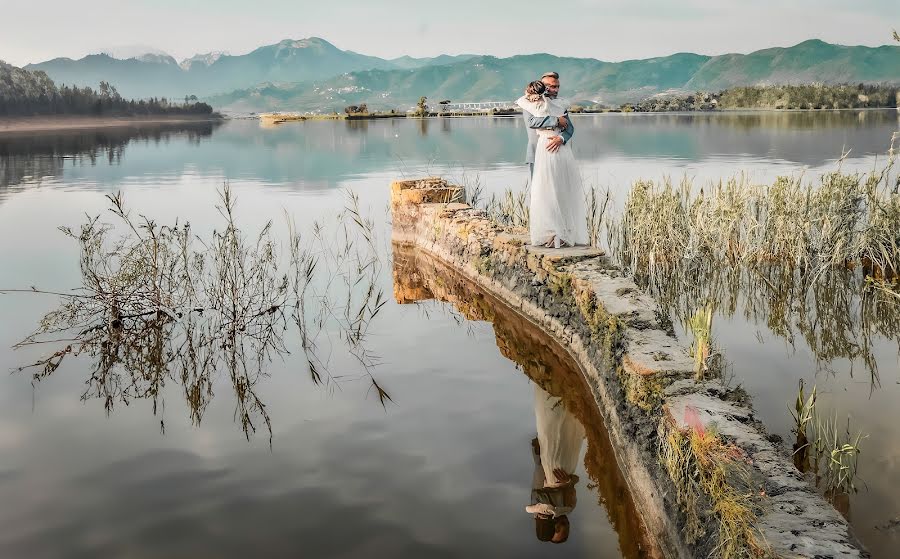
[444, 468]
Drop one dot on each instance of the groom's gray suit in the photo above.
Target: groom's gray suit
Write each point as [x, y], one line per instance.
[533, 123]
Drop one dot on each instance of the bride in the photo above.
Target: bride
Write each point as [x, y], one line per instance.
[557, 213]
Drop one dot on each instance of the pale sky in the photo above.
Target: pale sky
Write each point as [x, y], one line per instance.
[34, 31]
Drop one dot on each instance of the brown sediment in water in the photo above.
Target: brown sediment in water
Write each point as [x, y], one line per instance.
[419, 277]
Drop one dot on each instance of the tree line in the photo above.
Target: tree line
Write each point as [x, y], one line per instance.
[812, 96]
[807, 96]
[26, 93]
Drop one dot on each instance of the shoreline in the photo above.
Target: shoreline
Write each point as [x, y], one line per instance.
[46, 123]
[300, 117]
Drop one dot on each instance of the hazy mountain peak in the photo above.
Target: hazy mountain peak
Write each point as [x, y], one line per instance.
[124, 52]
[206, 59]
[153, 58]
[309, 42]
[813, 43]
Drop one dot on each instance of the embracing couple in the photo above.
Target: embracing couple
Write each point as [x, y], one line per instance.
[557, 213]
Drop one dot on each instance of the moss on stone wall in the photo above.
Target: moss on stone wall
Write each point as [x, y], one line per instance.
[711, 475]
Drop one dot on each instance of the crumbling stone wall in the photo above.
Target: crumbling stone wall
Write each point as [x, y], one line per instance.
[644, 383]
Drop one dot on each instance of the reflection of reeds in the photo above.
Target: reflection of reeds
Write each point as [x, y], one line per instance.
[155, 308]
[820, 260]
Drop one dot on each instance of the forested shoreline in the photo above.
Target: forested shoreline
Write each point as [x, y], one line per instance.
[32, 93]
[776, 97]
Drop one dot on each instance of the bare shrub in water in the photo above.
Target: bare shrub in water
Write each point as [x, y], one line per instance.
[156, 308]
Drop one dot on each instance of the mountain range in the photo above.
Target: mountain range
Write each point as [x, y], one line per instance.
[160, 75]
[314, 75]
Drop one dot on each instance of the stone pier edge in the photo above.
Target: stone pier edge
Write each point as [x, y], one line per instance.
[642, 377]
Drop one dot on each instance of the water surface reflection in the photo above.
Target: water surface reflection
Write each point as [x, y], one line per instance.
[30, 158]
[565, 409]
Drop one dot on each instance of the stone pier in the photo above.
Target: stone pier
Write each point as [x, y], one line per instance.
[705, 477]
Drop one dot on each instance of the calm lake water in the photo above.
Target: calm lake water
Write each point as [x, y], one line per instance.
[445, 468]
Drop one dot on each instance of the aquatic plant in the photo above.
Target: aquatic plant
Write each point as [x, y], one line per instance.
[597, 205]
[845, 220]
[509, 209]
[837, 451]
[700, 326]
[823, 448]
[803, 414]
[813, 262]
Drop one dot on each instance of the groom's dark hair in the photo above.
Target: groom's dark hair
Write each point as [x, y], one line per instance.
[553, 75]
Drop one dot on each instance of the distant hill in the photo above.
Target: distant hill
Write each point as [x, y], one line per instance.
[408, 62]
[812, 61]
[314, 75]
[584, 80]
[483, 78]
[156, 75]
[138, 78]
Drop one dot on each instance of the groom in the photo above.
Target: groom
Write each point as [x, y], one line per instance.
[532, 123]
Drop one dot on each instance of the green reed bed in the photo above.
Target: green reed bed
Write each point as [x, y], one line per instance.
[846, 219]
[816, 261]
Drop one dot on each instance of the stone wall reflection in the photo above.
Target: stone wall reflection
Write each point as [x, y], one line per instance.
[418, 277]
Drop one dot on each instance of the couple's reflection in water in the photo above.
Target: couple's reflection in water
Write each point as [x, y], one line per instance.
[555, 451]
[565, 412]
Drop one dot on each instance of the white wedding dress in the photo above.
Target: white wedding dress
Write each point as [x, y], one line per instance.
[557, 207]
[559, 434]
[560, 437]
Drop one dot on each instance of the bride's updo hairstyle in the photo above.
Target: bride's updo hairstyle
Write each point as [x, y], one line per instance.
[535, 90]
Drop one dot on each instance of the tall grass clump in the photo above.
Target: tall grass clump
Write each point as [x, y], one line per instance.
[710, 474]
[597, 205]
[847, 219]
[509, 209]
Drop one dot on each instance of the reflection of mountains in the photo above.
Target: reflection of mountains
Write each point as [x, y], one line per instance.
[321, 154]
[27, 159]
[418, 277]
[329, 151]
